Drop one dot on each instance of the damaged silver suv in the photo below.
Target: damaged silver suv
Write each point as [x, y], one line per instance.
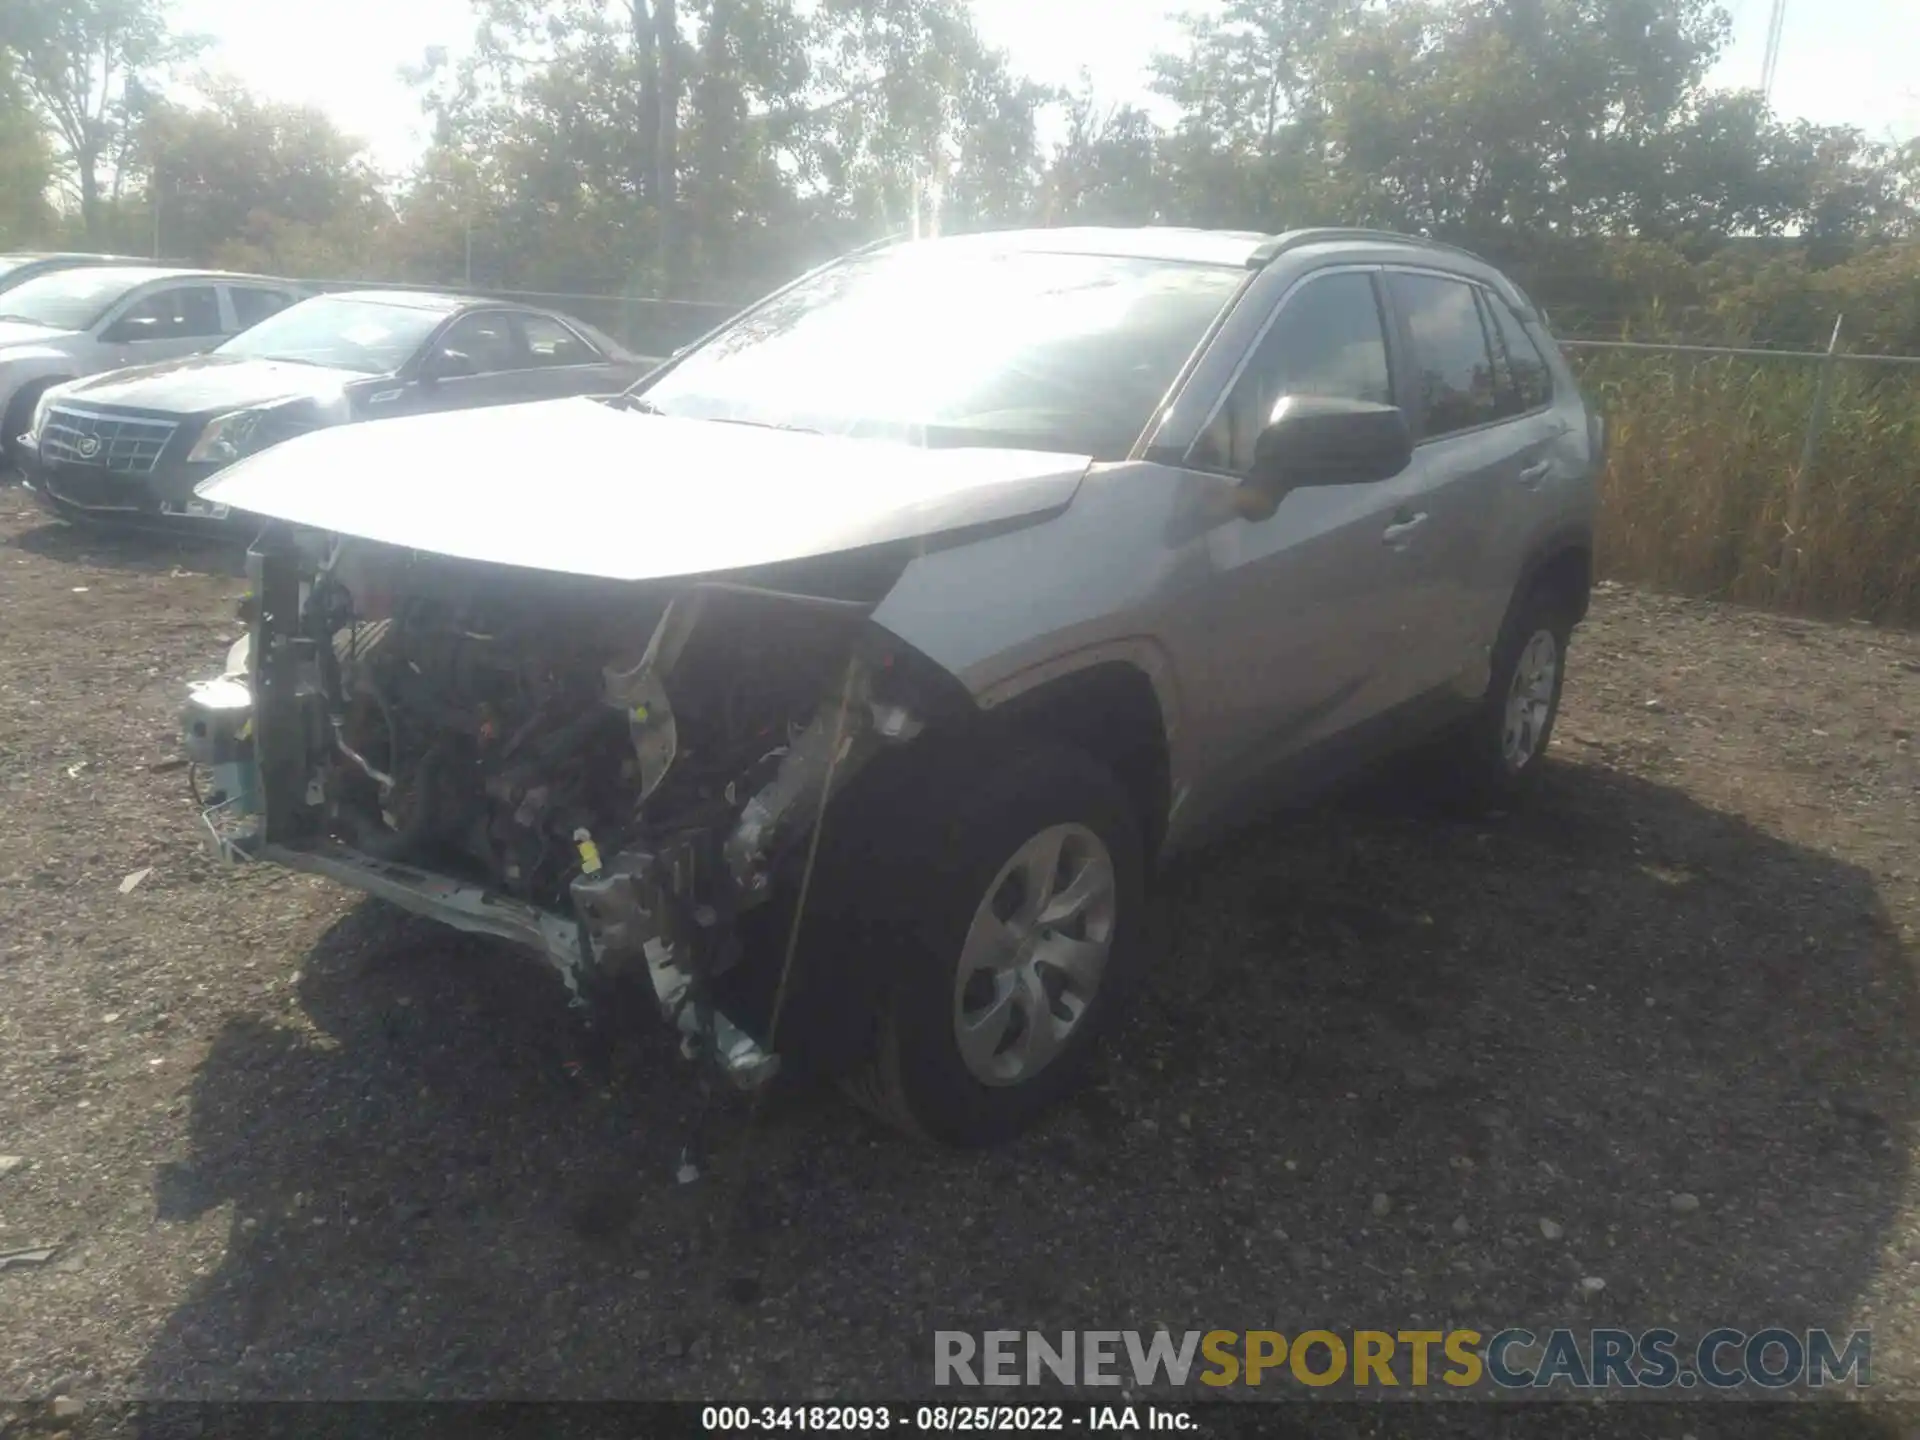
[843, 680]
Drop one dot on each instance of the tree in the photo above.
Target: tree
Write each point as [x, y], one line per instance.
[717, 143]
[1107, 167]
[26, 165]
[1511, 125]
[255, 182]
[86, 64]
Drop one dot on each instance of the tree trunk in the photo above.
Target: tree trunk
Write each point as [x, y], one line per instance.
[89, 196]
[666, 159]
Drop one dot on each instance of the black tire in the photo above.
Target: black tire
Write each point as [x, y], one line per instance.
[981, 814]
[1475, 763]
[13, 424]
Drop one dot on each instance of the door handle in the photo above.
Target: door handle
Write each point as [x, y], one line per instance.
[1531, 477]
[1396, 534]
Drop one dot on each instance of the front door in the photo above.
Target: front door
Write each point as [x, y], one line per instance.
[476, 361]
[166, 323]
[1302, 633]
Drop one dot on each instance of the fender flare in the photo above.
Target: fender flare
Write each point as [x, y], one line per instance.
[1570, 539]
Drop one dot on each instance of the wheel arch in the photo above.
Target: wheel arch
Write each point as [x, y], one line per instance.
[1562, 563]
[1107, 707]
[16, 409]
[33, 386]
[1115, 704]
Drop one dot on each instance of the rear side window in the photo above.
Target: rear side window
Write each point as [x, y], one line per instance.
[251, 306]
[1327, 340]
[550, 343]
[1452, 359]
[1525, 382]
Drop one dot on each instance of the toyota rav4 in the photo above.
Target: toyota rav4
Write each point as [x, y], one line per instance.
[844, 680]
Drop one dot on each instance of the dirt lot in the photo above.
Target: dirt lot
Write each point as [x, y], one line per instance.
[291, 1145]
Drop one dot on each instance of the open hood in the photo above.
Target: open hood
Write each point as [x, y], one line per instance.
[581, 488]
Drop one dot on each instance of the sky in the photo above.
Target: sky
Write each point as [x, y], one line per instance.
[1842, 61]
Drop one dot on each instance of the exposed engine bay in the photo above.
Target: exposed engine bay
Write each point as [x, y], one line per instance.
[609, 773]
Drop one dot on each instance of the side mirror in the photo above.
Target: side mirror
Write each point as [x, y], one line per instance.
[1313, 440]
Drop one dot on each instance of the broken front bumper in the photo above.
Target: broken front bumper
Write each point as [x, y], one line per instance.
[219, 740]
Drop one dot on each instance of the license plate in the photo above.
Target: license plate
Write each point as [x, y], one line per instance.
[197, 509]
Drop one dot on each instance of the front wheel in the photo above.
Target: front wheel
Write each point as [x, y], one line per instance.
[15, 417]
[1028, 908]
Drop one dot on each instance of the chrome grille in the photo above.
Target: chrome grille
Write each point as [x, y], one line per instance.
[119, 444]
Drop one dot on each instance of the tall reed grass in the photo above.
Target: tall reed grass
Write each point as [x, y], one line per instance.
[1704, 459]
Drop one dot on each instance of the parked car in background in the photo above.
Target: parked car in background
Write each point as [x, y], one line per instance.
[131, 445]
[938, 594]
[18, 268]
[79, 321]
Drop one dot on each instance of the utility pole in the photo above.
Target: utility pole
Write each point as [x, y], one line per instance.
[1776, 23]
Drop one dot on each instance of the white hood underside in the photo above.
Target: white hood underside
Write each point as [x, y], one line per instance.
[577, 487]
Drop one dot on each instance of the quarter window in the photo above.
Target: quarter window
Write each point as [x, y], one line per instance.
[1452, 360]
[1525, 378]
[1327, 340]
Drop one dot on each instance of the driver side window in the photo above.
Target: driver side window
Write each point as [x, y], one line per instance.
[478, 345]
[1327, 340]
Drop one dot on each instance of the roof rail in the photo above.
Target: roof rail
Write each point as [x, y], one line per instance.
[1273, 248]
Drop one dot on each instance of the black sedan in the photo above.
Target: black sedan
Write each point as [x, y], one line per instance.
[131, 445]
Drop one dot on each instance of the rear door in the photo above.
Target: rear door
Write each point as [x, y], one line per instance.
[1470, 452]
[561, 361]
[1525, 492]
[251, 304]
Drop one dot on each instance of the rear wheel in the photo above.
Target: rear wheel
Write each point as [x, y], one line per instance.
[1026, 905]
[1495, 755]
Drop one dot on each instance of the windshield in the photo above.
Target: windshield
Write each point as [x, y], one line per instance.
[11, 263]
[950, 343]
[67, 299]
[369, 336]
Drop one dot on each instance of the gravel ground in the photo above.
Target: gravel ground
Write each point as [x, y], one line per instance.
[1394, 1070]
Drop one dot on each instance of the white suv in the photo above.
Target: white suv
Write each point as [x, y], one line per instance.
[69, 323]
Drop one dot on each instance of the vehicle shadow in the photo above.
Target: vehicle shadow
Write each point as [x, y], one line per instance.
[141, 552]
[1379, 1048]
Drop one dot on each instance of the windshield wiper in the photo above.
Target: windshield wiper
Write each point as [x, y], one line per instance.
[763, 424]
[638, 404]
[29, 320]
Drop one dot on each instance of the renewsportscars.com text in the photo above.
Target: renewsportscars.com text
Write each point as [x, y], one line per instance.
[1510, 1359]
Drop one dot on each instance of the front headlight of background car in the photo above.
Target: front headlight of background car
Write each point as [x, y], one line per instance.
[226, 437]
